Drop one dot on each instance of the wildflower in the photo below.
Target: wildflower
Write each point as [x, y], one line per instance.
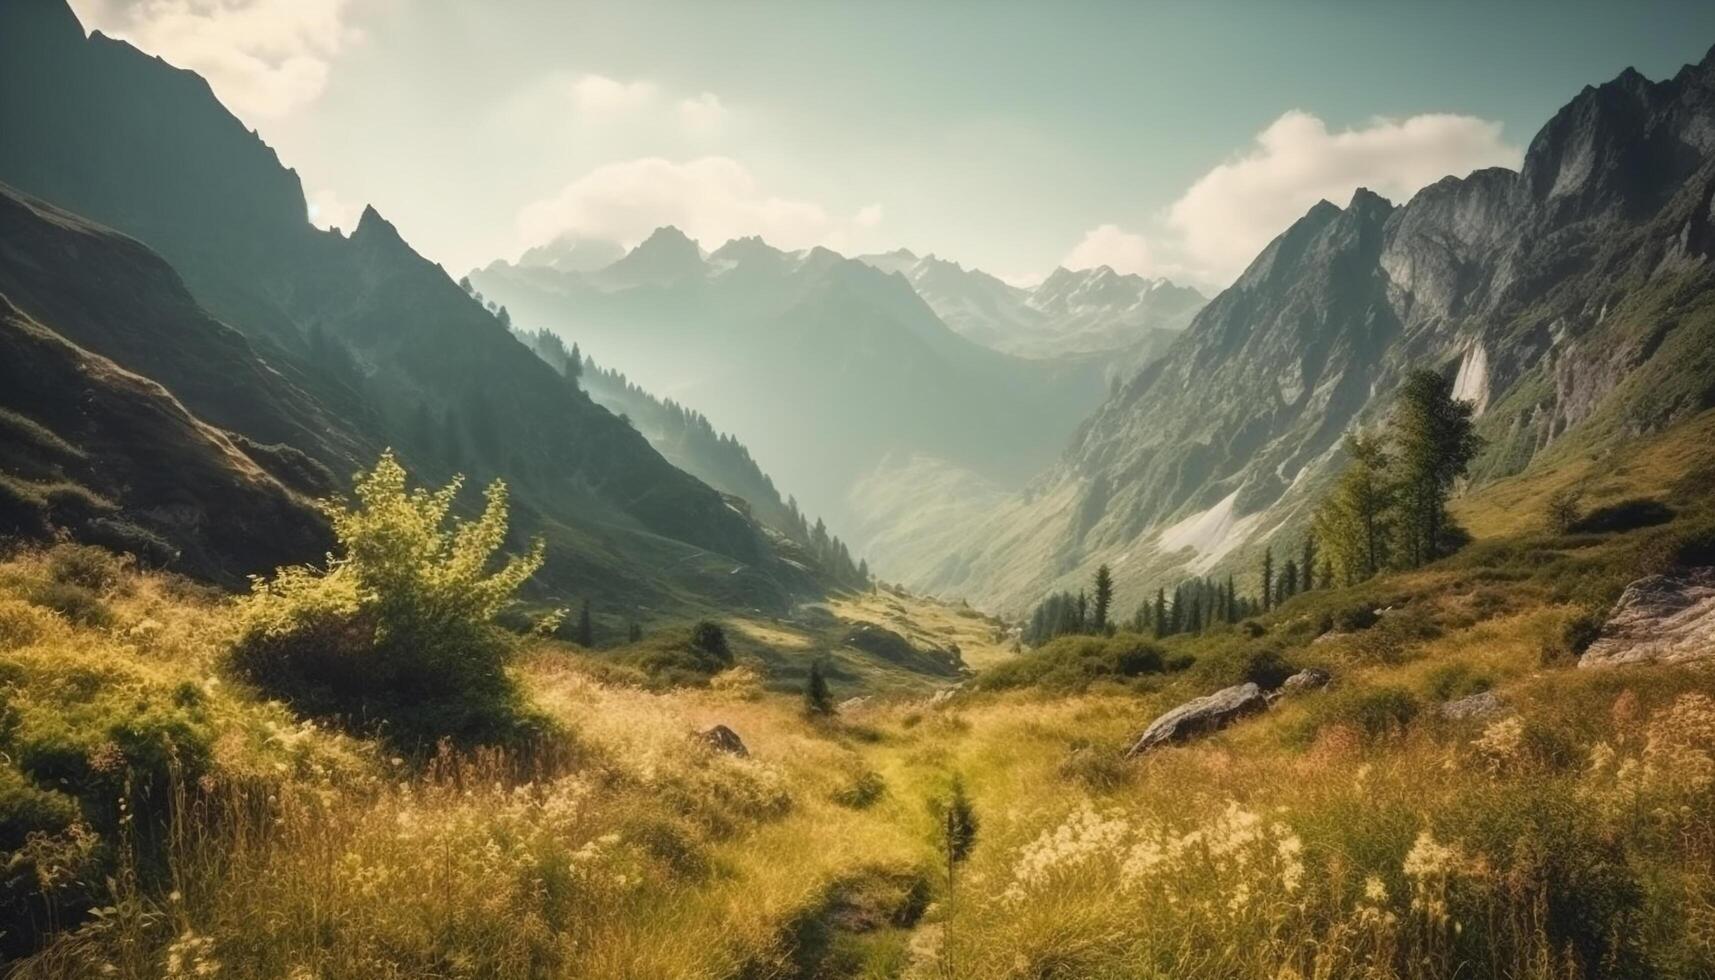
[1501, 744]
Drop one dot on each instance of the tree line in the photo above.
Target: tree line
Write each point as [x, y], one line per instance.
[1387, 509]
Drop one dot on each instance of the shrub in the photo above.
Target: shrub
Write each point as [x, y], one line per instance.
[1561, 511]
[860, 790]
[1375, 712]
[399, 632]
[1627, 515]
[1355, 618]
[1449, 682]
[1265, 668]
[1073, 663]
[92, 568]
[1680, 547]
[687, 659]
[1573, 637]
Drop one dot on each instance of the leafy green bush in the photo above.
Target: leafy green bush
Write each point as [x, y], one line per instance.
[681, 659]
[1073, 663]
[398, 633]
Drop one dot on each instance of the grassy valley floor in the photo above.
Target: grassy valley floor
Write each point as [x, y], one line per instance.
[162, 819]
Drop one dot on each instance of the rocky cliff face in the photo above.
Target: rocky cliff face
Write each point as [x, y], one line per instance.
[1571, 301]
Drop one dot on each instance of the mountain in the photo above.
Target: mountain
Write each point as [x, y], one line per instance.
[1085, 312]
[111, 456]
[1573, 302]
[381, 345]
[825, 365]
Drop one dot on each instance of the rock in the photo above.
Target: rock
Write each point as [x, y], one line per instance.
[1484, 705]
[1662, 619]
[851, 704]
[1204, 714]
[1308, 679]
[723, 739]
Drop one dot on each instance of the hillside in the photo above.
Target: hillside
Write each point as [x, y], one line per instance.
[388, 346]
[1569, 301]
[1459, 791]
[688, 440]
[824, 365]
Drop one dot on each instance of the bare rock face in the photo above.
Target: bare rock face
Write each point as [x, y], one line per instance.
[1662, 619]
[1200, 716]
[723, 739]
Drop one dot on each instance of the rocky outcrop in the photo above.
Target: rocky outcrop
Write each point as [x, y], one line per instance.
[1662, 619]
[723, 739]
[1204, 714]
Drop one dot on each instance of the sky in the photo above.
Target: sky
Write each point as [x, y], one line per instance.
[1166, 138]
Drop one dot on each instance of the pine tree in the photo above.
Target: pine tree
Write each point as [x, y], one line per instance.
[1160, 612]
[1354, 522]
[818, 700]
[1232, 609]
[586, 629]
[1267, 579]
[1436, 441]
[1308, 565]
[1104, 598]
[1289, 580]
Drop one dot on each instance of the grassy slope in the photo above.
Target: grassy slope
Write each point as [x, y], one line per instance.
[641, 854]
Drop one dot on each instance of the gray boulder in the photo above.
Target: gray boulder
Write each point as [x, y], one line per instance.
[723, 739]
[1484, 705]
[1199, 716]
[1306, 680]
[1662, 619]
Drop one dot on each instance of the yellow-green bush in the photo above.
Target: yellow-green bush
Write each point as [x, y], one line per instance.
[397, 634]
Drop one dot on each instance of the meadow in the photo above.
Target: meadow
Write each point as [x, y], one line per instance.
[165, 813]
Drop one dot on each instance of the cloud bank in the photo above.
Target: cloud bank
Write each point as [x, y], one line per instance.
[1228, 214]
[263, 58]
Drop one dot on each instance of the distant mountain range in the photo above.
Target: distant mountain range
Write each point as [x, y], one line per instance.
[1090, 311]
[1573, 302]
[823, 364]
[271, 354]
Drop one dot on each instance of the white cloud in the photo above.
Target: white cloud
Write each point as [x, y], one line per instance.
[1227, 215]
[262, 57]
[600, 97]
[1232, 211]
[713, 199]
[702, 113]
[329, 210]
[1112, 246]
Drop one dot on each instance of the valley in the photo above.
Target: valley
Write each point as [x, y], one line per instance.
[715, 590]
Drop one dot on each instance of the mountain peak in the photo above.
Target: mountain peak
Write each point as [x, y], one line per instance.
[371, 226]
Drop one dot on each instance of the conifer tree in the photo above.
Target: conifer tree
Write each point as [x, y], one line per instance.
[1160, 612]
[1231, 605]
[818, 700]
[1104, 599]
[1436, 441]
[1267, 579]
[1289, 580]
[586, 629]
[1307, 566]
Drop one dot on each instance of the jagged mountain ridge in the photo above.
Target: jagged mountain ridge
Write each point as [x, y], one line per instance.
[1571, 302]
[823, 364]
[1088, 311]
[132, 143]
